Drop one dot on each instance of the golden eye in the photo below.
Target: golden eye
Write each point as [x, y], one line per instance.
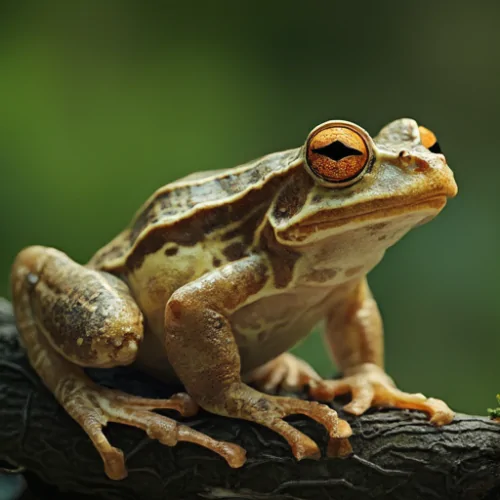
[338, 152]
[428, 140]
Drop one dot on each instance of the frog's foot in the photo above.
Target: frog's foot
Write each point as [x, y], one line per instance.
[371, 386]
[286, 371]
[93, 407]
[246, 403]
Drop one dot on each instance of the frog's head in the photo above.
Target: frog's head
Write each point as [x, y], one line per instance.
[346, 180]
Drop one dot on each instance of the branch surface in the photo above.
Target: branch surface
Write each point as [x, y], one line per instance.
[397, 454]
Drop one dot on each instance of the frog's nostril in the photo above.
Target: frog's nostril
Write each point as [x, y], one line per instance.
[411, 162]
[405, 158]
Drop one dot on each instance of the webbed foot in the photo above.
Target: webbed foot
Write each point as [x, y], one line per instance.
[371, 386]
[241, 401]
[93, 407]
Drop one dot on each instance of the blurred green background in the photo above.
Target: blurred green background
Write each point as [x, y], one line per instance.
[100, 104]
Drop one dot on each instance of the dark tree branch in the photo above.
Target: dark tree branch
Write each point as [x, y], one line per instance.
[398, 455]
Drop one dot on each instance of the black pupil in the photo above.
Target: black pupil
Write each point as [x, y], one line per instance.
[435, 148]
[337, 150]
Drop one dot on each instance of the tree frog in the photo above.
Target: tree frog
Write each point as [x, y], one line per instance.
[220, 273]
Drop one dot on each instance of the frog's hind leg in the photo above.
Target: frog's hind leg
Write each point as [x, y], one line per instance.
[68, 315]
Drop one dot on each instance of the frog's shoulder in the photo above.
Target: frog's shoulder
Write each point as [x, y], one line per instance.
[187, 209]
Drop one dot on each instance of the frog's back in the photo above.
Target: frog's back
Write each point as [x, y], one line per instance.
[183, 213]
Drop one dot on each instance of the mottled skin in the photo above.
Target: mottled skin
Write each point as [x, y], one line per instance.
[220, 273]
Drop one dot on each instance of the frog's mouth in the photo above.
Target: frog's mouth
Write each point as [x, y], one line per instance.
[376, 210]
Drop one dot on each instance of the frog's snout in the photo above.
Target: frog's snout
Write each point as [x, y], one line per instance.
[438, 174]
[453, 188]
[433, 170]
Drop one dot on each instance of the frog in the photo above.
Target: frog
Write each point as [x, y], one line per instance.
[220, 274]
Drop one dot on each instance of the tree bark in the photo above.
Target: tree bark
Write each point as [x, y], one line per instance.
[397, 454]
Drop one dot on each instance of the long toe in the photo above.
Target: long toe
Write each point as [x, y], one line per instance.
[370, 387]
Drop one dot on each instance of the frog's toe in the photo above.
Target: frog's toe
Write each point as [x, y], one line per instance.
[169, 433]
[370, 387]
[277, 408]
[285, 371]
[241, 401]
[93, 407]
[181, 402]
[439, 412]
[339, 430]
[114, 461]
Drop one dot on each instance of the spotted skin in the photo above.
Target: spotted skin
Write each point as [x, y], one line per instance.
[219, 274]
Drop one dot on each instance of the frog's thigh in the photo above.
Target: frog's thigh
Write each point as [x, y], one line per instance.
[202, 350]
[87, 316]
[43, 277]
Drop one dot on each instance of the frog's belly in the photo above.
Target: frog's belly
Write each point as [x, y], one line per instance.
[263, 329]
[272, 325]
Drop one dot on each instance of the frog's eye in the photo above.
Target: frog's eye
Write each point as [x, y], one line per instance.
[338, 153]
[428, 140]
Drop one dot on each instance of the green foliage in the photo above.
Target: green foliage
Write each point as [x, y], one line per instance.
[495, 412]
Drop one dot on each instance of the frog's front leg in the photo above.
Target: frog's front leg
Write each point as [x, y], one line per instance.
[69, 315]
[354, 333]
[203, 351]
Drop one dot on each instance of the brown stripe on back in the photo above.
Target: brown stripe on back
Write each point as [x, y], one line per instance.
[178, 199]
[191, 230]
[184, 211]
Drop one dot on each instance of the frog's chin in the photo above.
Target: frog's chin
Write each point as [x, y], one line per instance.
[417, 212]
